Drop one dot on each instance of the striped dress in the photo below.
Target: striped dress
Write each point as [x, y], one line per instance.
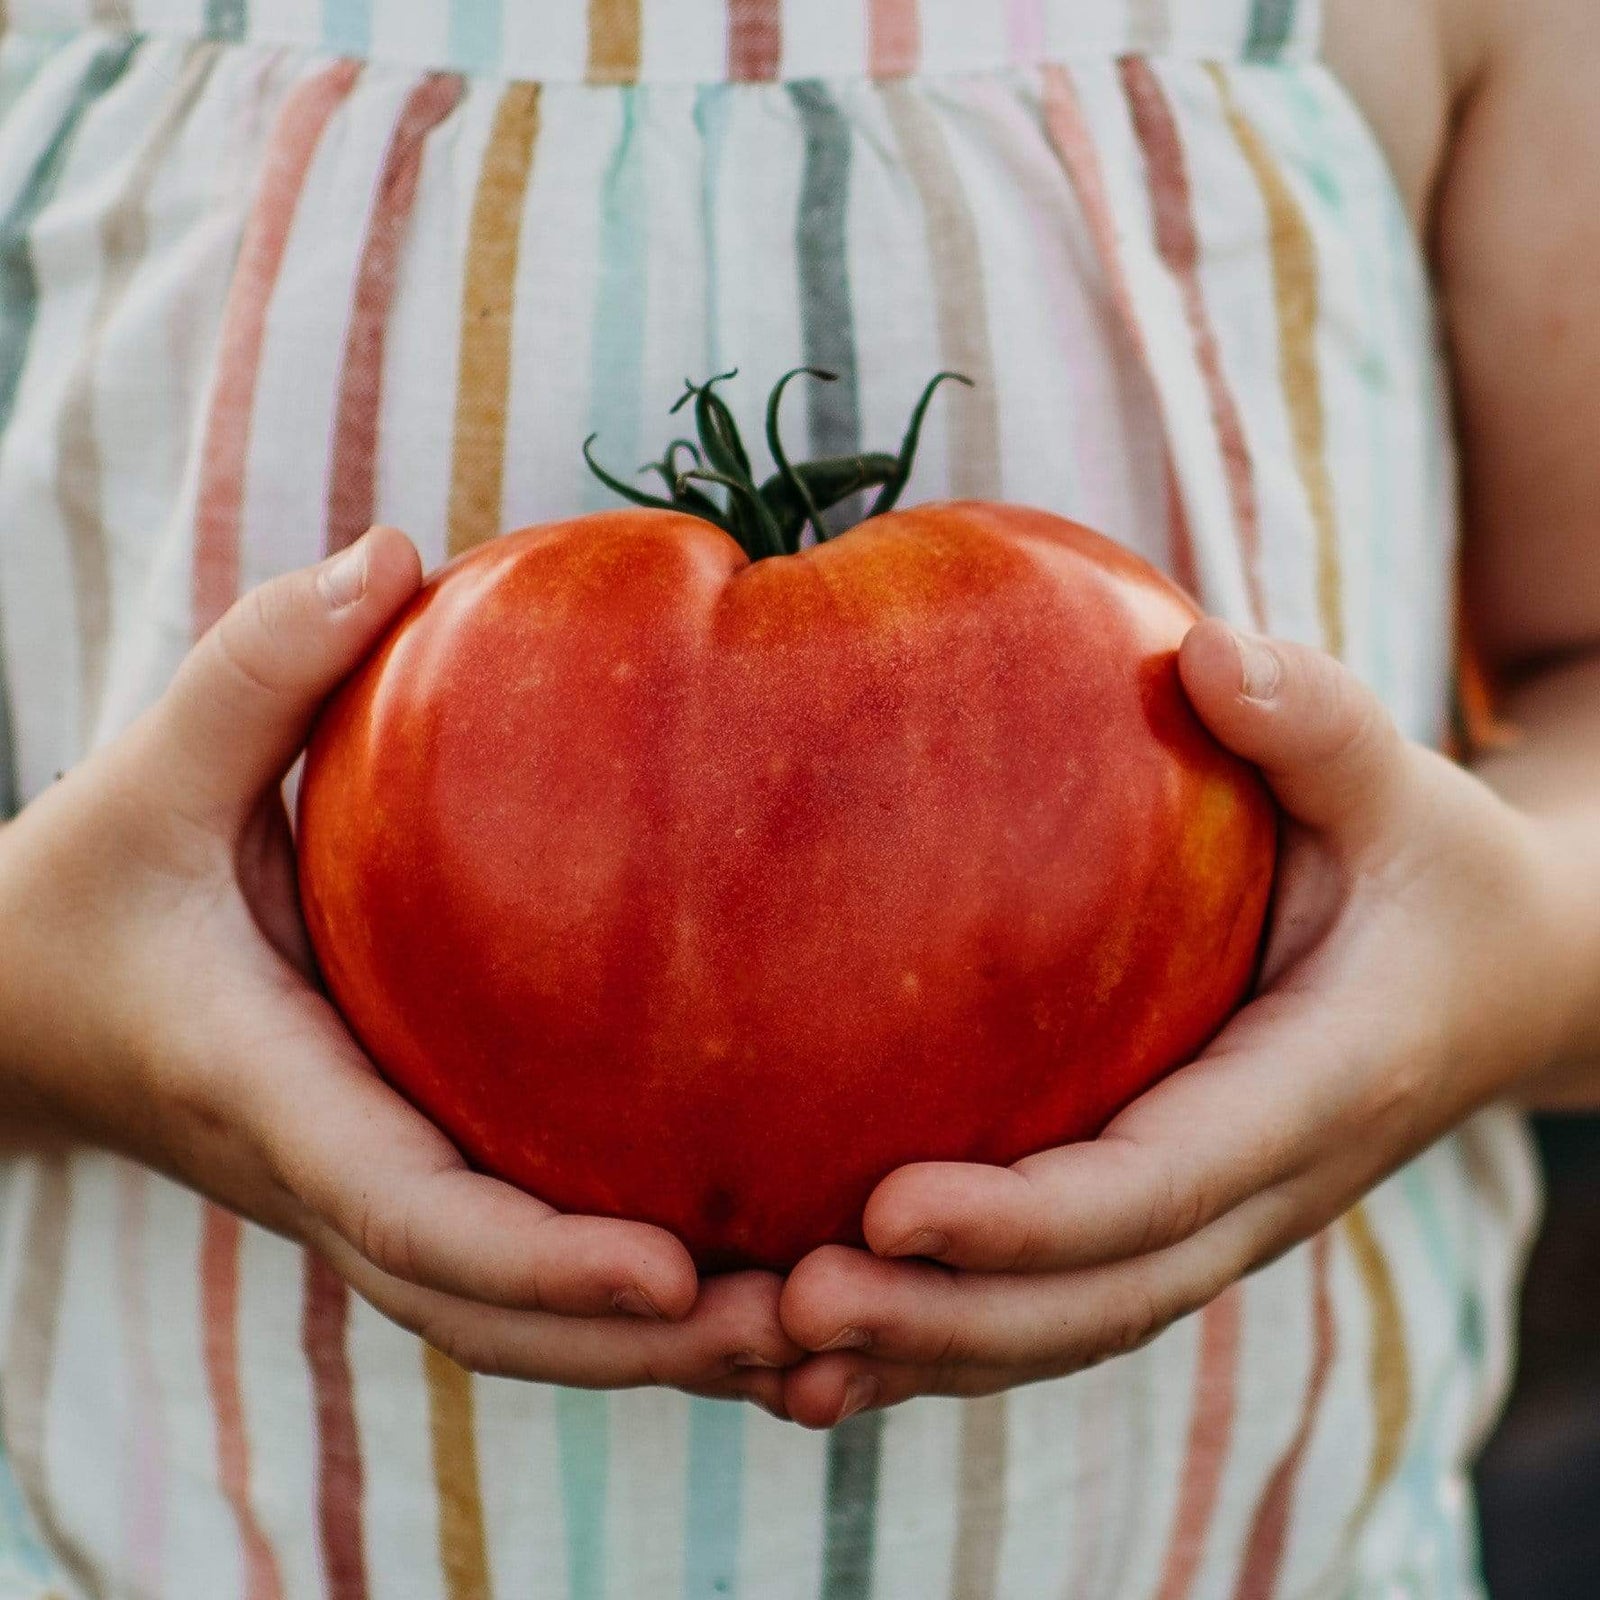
[273, 269]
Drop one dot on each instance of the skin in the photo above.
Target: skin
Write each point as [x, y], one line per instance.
[1436, 948]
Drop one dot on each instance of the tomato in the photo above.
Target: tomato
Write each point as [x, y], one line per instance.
[707, 890]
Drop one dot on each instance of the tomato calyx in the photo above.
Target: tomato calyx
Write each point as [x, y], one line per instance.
[768, 519]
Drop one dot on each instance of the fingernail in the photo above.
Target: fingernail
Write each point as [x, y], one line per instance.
[343, 580]
[848, 1339]
[1260, 668]
[753, 1358]
[859, 1393]
[924, 1242]
[635, 1303]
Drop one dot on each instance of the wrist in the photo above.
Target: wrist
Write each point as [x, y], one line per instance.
[1567, 914]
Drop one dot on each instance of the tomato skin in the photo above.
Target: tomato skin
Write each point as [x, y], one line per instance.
[706, 893]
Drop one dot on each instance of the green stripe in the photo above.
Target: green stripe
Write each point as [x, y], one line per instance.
[225, 19]
[19, 301]
[855, 1451]
[583, 1420]
[828, 330]
[19, 288]
[824, 248]
[716, 1499]
[1271, 28]
[828, 315]
[20, 61]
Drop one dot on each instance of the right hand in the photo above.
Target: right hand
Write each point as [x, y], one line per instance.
[160, 999]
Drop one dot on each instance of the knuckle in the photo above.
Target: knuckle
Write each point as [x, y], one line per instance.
[1032, 1246]
[253, 634]
[1182, 1207]
[1130, 1327]
[385, 1233]
[468, 1347]
[1361, 730]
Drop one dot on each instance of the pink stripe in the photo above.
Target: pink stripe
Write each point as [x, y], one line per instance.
[294, 142]
[339, 1474]
[1025, 31]
[226, 455]
[1176, 238]
[1069, 132]
[1103, 473]
[1269, 1528]
[352, 492]
[219, 1309]
[146, 1490]
[894, 31]
[755, 40]
[1210, 1434]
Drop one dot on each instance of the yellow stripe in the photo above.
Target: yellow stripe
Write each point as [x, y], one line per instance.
[614, 41]
[955, 254]
[1389, 1369]
[463, 1551]
[488, 301]
[1295, 292]
[981, 1514]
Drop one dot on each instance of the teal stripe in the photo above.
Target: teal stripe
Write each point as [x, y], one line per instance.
[19, 302]
[617, 346]
[583, 1421]
[716, 1499]
[225, 19]
[347, 26]
[1424, 1476]
[1271, 28]
[828, 313]
[475, 35]
[711, 106]
[616, 362]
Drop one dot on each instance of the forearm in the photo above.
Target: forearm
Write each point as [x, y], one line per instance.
[1552, 774]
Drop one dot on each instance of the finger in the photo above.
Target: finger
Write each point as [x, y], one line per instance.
[828, 1390]
[242, 703]
[1275, 1091]
[1324, 742]
[840, 1300]
[370, 1170]
[730, 1342]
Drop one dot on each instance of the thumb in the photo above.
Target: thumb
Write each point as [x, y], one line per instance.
[241, 706]
[1324, 742]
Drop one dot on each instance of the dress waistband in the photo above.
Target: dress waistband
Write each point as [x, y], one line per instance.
[709, 41]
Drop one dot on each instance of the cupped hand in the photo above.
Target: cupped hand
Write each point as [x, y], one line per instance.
[163, 1003]
[1409, 978]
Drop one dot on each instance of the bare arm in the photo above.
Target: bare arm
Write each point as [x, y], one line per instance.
[1518, 242]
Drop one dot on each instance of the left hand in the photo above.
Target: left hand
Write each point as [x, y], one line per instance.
[1409, 978]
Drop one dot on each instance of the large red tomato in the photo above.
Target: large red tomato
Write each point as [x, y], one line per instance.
[705, 890]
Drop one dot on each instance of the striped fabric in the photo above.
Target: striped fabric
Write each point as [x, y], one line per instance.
[269, 271]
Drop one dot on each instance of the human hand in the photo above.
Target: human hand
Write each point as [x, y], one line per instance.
[162, 1002]
[1411, 975]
